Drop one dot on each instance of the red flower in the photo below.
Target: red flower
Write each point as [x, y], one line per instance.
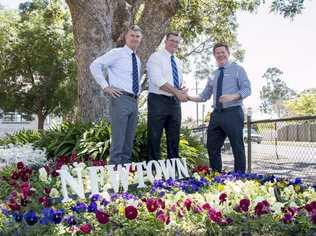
[102, 217]
[85, 228]
[262, 208]
[25, 189]
[20, 165]
[131, 212]
[222, 197]
[244, 204]
[311, 206]
[15, 175]
[206, 206]
[44, 201]
[161, 203]
[47, 190]
[188, 203]
[151, 204]
[55, 173]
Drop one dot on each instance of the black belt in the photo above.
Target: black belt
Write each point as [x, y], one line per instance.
[227, 109]
[129, 94]
[172, 98]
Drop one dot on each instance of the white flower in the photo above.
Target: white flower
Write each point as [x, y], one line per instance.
[12, 154]
[43, 174]
[54, 193]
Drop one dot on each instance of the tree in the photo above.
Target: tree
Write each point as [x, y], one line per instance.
[304, 104]
[274, 92]
[37, 73]
[98, 26]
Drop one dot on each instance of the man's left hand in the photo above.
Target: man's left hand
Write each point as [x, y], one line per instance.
[229, 98]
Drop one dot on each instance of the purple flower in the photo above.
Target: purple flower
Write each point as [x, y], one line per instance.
[18, 216]
[92, 207]
[57, 216]
[287, 218]
[79, 207]
[30, 217]
[95, 197]
[70, 220]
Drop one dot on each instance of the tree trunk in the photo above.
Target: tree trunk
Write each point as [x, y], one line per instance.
[40, 120]
[97, 25]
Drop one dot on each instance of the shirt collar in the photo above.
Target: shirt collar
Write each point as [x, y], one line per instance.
[227, 64]
[167, 53]
[127, 49]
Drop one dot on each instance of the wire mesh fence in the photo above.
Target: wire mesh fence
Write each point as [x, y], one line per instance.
[283, 147]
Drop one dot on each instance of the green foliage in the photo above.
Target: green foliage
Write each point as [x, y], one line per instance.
[21, 137]
[63, 139]
[37, 75]
[95, 141]
[5, 173]
[274, 92]
[303, 105]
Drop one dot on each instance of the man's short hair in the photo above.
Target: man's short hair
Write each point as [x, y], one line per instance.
[135, 28]
[218, 45]
[172, 34]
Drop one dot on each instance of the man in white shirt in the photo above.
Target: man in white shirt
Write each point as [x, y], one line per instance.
[124, 68]
[164, 98]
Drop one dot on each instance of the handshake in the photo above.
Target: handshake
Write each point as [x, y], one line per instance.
[182, 94]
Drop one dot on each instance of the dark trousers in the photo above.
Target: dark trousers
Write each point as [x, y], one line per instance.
[164, 112]
[228, 122]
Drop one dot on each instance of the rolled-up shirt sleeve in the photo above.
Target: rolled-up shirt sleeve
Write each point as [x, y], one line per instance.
[208, 90]
[155, 72]
[99, 65]
[243, 83]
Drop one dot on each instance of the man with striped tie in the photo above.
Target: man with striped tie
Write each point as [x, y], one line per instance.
[165, 97]
[123, 67]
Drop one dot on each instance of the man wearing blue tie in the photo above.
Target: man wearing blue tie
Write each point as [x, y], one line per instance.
[123, 67]
[229, 85]
[164, 98]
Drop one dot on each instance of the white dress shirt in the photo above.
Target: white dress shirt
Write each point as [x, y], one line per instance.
[118, 63]
[159, 71]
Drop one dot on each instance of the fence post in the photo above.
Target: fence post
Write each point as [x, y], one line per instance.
[249, 111]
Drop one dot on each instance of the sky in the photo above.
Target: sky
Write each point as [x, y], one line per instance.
[269, 41]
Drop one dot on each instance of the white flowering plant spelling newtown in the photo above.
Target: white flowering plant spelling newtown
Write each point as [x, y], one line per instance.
[27, 153]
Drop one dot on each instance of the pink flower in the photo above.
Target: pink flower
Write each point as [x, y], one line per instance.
[102, 217]
[85, 228]
[131, 212]
[188, 203]
[222, 198]
[151, 204]
[215, 216]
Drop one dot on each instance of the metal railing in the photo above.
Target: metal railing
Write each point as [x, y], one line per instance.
[283, 147]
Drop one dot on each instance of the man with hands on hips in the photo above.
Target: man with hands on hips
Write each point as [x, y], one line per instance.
[229, 85]
[123, 67]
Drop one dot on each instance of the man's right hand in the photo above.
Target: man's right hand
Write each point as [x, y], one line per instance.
[182, 95]
[112, 92]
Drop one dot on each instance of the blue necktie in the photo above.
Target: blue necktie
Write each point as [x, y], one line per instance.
[135, 74]
[175, 73]
[219, 89]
